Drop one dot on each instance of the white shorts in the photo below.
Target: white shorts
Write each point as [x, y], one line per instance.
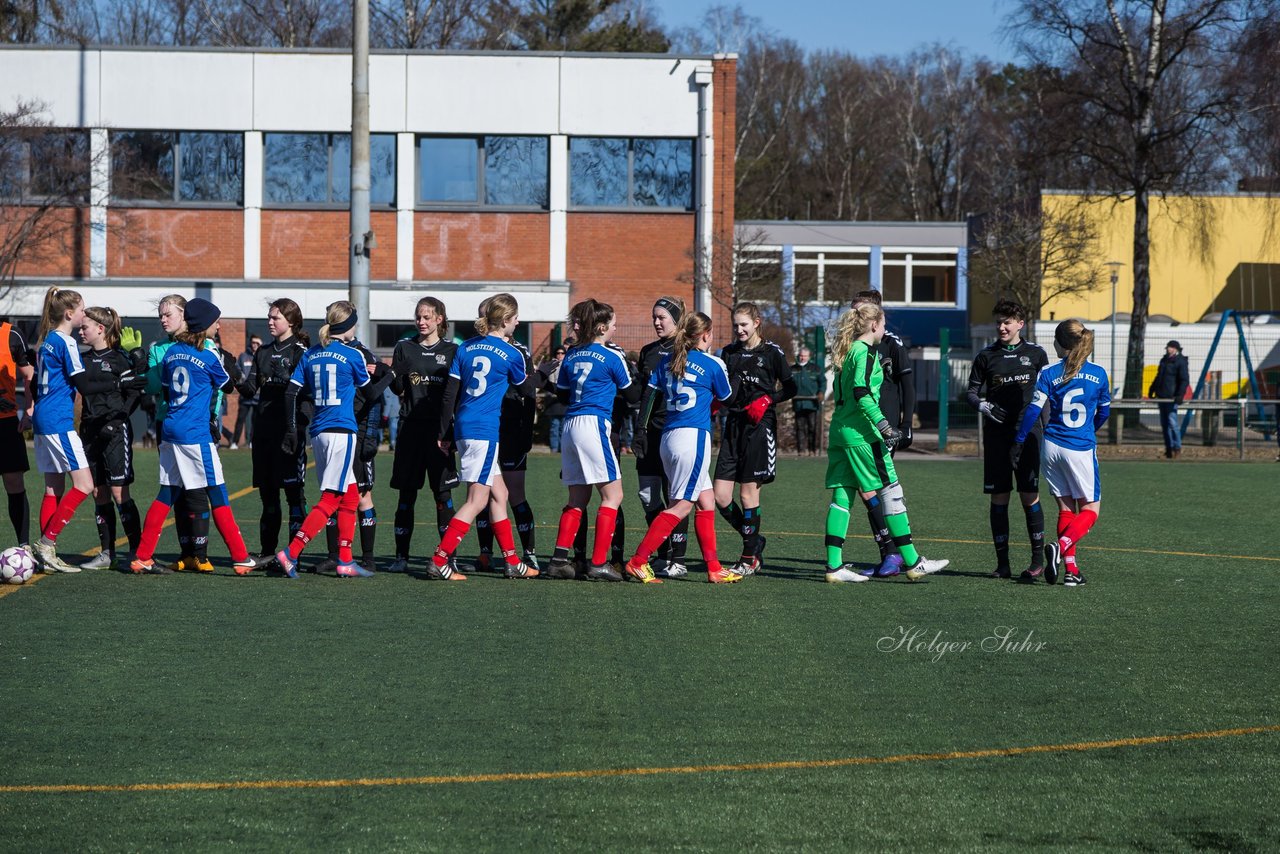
[477, 461]
[335, 455]
[190, 466]
[59, 453]
[686, 458]
[1071, 473]
[586, 453]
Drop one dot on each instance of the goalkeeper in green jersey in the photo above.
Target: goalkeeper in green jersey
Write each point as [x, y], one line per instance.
[858, 451]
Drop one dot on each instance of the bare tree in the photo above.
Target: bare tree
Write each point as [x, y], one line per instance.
[1033, 255]
[425, 24]
[1144, 82]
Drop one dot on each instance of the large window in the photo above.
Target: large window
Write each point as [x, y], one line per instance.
[315, 169]
[499, 171]
[45, 164]
[166, 167]
[919, 277]
[631, 173]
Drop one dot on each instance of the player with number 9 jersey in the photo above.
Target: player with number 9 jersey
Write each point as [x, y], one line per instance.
[190, 378]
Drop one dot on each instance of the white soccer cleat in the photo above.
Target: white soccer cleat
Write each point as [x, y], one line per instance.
[924, 567]
[102, 560]
[47, 555]
[844, 574]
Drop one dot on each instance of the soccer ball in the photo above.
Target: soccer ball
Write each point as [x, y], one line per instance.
[16, 565]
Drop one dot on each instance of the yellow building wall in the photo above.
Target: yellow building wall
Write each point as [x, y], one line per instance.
[1197, 246]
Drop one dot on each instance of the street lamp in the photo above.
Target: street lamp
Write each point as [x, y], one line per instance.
[1115, 277]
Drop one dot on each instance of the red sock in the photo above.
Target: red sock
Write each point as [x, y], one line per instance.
[449, 543]
[704, 523]
[47, 507]
[151, 527]
[225, 522]
[657, 534]
[606, 518]
[62, 515]
[506, 541]
[1065, 518]
[1077, 529]
[570, 519]
[315, 522]
[347, 523]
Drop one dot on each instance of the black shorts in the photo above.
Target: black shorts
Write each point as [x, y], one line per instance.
[418, 461]
[110, 453]
[272, 469]
[364, 474]
[748, 452]
[998, 475]
[13, 447]
[513, 450]
[649, 463]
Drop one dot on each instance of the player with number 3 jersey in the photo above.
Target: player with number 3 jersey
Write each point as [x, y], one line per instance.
[1076, 393]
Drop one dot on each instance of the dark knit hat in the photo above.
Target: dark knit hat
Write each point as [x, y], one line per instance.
[201, 314]
[1174, 344]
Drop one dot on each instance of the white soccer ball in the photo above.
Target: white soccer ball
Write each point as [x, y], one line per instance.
[16, 565]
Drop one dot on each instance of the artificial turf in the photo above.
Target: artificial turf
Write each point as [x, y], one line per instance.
[110, 679]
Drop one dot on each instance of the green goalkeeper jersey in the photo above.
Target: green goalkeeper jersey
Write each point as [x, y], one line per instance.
[857, 409]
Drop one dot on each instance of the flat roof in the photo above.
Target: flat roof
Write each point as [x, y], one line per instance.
[838, 233]
[118, 48]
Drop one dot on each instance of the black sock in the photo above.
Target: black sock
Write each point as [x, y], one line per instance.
[105, 516]
[484, 533]
[618, 548]
[750, 530]
[198, 507]
[879, 527]
[1035, 529]
[523, 515]
[297, 500]
[182, 522]
[444, 512]
[368, 534]
[331, 536]
[733, 515]
[132, 524]
[403, 521]
[680, 540]
[269, 522]
[1000, 533]
[580, 539]
[20, 516]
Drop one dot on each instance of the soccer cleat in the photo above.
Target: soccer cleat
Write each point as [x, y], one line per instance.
[925, 567]
[352, 570]
[203, 564]
[642, 573]
[673, 569]
[142, 567]
[1031, 574]
[1052, 557]
[519, 570]
[531, 560]
[890, 566]
[562, 569]
[484, 563]
[288, 565]
[1073, 579]
[102, 560]
[1002, 572]
[846, 573]
[603, 572]
[324, 567]
[747, 565]
[243, 567]
[46, 555]
[400, 564]
[448, 572]
[723, 576]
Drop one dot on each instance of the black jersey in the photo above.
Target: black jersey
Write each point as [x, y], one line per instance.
[756, 371]
[896, 364]
[368, 402]
[621, 409]
[421, 373]
[112, 385]
[268, 380]
[650, 355]
[1006, 376]
[518, 411]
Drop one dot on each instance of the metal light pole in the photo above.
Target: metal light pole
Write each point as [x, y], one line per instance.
[1115, 277]
[361, 238]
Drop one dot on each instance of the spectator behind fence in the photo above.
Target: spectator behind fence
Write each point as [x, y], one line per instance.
[244, 413]
[811, 387]
[548, 373]
[1172, 382]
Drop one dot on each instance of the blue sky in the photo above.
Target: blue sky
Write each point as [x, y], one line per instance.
[866, 27]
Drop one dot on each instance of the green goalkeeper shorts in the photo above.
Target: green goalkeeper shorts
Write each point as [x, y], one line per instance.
[866, 468]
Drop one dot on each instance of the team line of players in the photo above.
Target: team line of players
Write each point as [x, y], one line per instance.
[467, 417]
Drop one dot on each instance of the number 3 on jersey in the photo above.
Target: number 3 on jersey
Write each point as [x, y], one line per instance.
[480, 368]
[679, 396]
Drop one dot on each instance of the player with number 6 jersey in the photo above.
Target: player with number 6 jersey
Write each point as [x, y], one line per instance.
[482, 371]
[1076, 393]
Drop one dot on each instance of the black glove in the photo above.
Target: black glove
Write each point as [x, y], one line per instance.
[994, 411]
[215, 430]
[892, 435]
[640, 442]
[368, 447]
[905, 441]
[1015, 454]
[289, 444]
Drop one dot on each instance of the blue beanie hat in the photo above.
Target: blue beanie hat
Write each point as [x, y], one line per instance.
[201, 314]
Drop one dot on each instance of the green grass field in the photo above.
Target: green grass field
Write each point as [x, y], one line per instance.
[398, 714]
